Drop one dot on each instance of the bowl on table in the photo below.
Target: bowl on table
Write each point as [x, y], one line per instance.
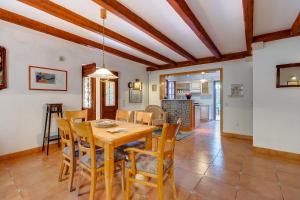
[105, 123]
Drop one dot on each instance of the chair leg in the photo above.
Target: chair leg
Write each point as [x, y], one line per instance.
[93, 185]
[123, 175]
[173, 182]
[66, 169]
[128, 182]
[71, 179]
[160, 188]
[78, 180]
[61, 170]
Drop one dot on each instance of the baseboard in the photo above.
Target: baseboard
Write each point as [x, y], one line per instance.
[237, 136]
[25, 152]
[277, 153]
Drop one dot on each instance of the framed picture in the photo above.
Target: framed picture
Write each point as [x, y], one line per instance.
[154, 88]
[237, 90]
[292, 83]
[3, 77]
[41, 78]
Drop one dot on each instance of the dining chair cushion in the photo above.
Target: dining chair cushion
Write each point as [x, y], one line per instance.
[86, 159]
[67, 151]
[147, 163]
[87, 145]
[136, 144]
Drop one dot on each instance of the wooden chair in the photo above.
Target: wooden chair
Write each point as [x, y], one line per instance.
[139, 118]
[143, 118]
[91, 164]
[123, 115]
[153, 164]
[69, 150]
[78, 115]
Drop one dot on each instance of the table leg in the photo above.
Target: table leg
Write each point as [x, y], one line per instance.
[149, 142]
[109, 170]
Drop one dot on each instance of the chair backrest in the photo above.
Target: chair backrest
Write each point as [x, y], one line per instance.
[84, 134]
[66, 132]
[168, 140]
[78, 115]
[157, 111]
[123, 115]
[143, 118]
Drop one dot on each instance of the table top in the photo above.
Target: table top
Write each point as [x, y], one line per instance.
[133, 131]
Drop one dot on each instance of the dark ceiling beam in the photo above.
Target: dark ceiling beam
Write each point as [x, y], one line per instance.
[274, 36]
[44, 28]
[248, 8]
[201, 61]
[76, 19]
[183, 10]
[296, 26]
[129, 16]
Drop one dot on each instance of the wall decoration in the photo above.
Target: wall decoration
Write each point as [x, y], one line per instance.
[237, 90]
[154, 88]
[3, 77]
[41, 78]
[288, 75]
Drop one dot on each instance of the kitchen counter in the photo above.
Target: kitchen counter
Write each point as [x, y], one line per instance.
[180, 108]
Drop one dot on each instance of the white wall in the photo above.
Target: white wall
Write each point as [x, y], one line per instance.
[237, 111]
[22, 110]
[276, 112]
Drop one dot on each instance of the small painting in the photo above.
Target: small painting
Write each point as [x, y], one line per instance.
[154, 88]
[42, 78]
[237, 90]
[46, 78]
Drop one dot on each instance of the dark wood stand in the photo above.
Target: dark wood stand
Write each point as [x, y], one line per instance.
[51, 109]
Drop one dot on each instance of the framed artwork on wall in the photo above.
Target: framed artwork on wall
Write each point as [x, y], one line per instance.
[3, 77]
[48, 79]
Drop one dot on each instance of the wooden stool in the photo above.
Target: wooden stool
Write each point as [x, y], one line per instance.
[51, 109]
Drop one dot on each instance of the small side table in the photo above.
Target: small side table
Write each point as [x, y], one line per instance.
[51, 109]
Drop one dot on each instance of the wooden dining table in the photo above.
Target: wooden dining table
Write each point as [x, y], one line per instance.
[110, 141]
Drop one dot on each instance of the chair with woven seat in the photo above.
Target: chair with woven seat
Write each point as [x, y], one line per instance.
[69, 150]
[91, 163]
[153, 164]
[159, 116]
[140, 118]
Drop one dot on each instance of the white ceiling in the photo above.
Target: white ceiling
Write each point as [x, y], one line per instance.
[222, 19]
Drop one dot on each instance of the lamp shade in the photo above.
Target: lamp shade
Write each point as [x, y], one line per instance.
[103, 73]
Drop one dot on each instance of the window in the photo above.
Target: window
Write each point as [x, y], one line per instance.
[110, 93]
[171, 89]
[87, 95]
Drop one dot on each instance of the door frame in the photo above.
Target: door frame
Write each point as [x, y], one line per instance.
[215, 97]
[162, 85]
[93, 86]
[101, 94]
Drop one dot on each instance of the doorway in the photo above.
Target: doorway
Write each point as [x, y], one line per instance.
[205, 88]
[109, 98]
[99, 98]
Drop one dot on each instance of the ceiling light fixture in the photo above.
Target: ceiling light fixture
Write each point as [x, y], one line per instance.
[102, 72]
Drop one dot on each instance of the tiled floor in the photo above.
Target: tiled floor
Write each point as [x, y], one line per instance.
[207, 168]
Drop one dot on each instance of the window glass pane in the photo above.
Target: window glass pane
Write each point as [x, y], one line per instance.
[87, 95]
[110, 93]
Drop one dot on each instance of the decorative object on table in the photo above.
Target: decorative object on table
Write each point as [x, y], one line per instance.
[42, 78]
[3, 77]
[135, 91]
[105, 123]
[188, 95]
[237, 90]
[288, 75]
[102, 72]
[154, 88]
[51, 109]
[117, 130]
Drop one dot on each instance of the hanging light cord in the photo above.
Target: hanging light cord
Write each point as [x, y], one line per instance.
[103, 42]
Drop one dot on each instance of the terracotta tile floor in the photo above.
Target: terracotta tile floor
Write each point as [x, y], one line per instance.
[206, 168]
